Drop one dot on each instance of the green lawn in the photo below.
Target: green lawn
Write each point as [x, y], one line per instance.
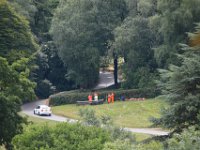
[133, 114]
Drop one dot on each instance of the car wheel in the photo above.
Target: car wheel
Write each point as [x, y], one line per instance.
[49, 114]
[34, 112]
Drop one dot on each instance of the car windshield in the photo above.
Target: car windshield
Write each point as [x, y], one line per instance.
[43, 106]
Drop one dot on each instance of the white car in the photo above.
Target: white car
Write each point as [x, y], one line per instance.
[42, 110]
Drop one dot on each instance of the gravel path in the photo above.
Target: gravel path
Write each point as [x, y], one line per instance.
[106, 79]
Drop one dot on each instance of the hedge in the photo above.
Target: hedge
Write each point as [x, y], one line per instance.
[70, 97]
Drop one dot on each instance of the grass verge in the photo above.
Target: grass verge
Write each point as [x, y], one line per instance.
[37, 120]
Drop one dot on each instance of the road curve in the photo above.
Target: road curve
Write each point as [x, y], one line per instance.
[106, 79]
[29, 107]
[28, 110]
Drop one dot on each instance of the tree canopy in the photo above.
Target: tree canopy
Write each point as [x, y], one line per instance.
[17, 45]
[16, 39]
[81, 31]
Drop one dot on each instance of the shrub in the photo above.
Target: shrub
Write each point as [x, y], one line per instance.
[187, 140]
[116, 133]
[153, 145]
[63, 136]
[70, 97]
[118, 145]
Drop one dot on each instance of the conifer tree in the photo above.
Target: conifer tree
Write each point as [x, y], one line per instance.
[181, 86]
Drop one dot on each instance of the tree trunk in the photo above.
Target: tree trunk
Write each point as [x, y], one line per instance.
[116, 70]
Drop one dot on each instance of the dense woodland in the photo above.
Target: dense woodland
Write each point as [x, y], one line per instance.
[48, 46]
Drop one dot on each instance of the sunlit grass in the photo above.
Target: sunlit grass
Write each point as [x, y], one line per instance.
[133, 114]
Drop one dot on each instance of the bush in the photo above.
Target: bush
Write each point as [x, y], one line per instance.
[153, 145]
[116, 133]
[118, 145]
[63, 136]
[71, 97]
[187, 140]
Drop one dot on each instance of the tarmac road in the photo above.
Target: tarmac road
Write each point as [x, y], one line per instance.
[29, 107]
[105, 79]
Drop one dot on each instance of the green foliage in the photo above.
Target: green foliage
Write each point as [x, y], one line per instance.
[153, 145]
[50, 72]
[42, 18]
[14, 88]
[118, 145]
[81, 31]
[49, 66]
[14, 79]
[187, 140]
[39, 13]
[71, 97]
[16, 46]
[10, 123]
[15, 34]
[176, 19]
[56, 73]
[139, 69]
[180, 84]
[116, 133]
[89, 117]
[62, 136]
[27, 9]
[44, 89]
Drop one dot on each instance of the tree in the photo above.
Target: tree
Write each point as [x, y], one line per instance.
[14, 87]
[16, 40]
[42, 19]
[177, 19]
[50, 72]
[180, 84]
[81, 31]
[16, 46]
[133, 41]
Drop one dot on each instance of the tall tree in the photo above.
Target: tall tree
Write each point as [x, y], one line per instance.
[14, 87]
[133, 41]
[16, 43]
[16, 40]
[180, 85]
[81, 31]
[40, 13]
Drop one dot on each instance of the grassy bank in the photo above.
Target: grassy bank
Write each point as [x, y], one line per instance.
[37, 120]
[134, 114]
